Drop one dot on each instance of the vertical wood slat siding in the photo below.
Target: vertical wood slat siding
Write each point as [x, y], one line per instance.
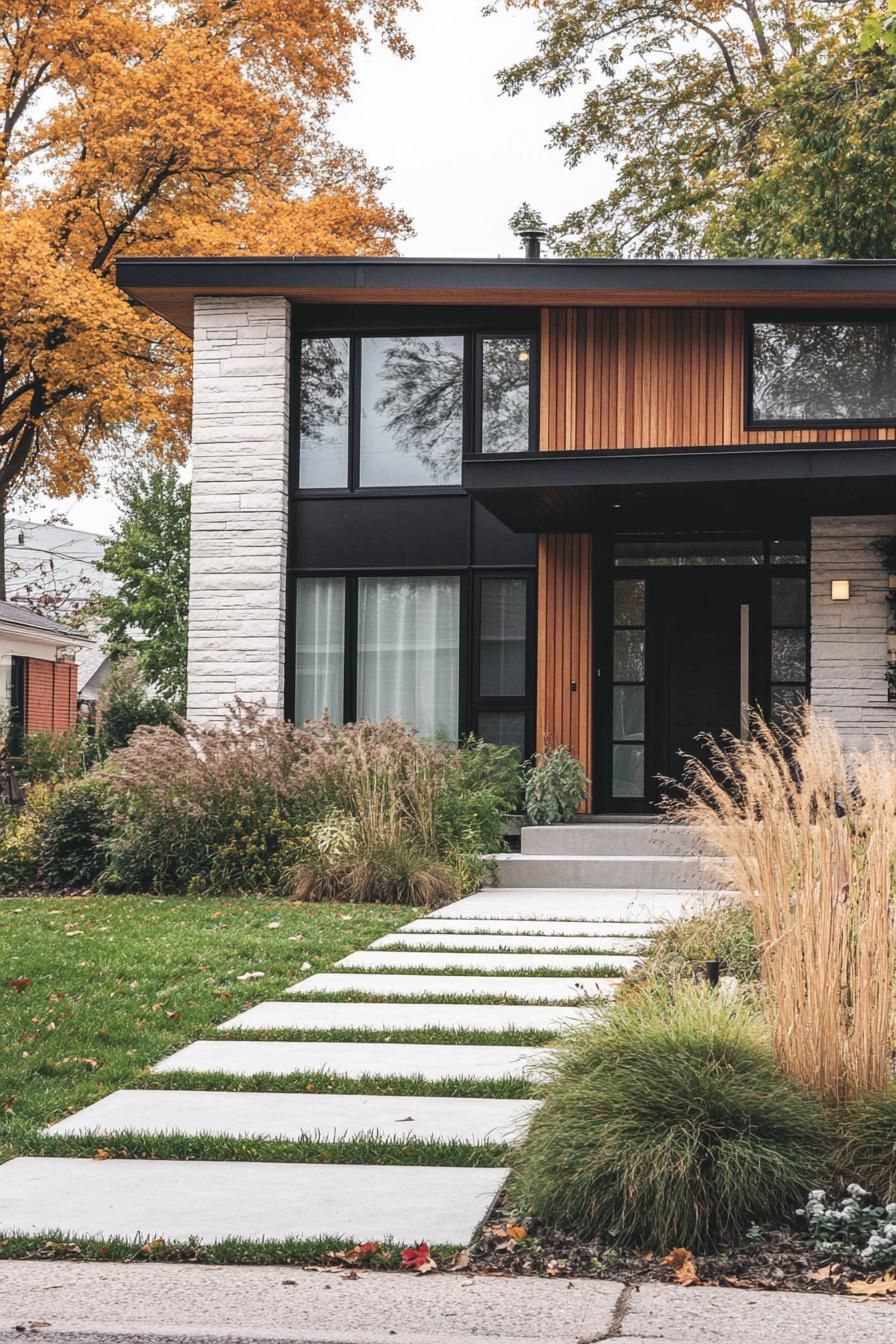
[653, 378]
[563, 716]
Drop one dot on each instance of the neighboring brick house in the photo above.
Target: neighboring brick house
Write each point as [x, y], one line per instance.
[38, 674]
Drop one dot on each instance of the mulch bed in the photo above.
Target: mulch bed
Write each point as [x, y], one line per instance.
[777, 1259]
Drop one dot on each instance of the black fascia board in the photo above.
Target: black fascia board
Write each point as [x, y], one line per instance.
[715, 465]
[411, 273]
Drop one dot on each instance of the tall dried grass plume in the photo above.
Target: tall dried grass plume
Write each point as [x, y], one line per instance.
[809, 833]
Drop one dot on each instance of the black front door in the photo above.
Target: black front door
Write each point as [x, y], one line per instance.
[687, 644]
[705, 626]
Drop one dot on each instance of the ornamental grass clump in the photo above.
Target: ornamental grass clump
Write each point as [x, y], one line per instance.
[865, 1142]
[666, 1122]
[809, 834]
[360, 812]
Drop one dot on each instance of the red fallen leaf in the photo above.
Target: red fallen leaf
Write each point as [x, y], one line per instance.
[683, 1266]
[8, 1103]
[358, 1255]
[157, 1244]
[418, 1258]
[21, 984]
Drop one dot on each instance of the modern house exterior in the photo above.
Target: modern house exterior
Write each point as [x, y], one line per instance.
[611, 504]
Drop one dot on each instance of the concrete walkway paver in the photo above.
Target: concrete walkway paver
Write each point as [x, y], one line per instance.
[524, 988]
[485, 963]
[356, 1059]
[252, 1201]
[329, 1117]
[569, 928]
[436, 940]
[102, 1302]
[586, 903]
[286, 1015]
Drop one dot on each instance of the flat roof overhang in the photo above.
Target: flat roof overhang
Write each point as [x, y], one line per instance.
[169, 285]
[702, 488]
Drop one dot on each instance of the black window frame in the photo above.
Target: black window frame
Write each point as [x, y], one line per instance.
[313, 323]
[815, 317]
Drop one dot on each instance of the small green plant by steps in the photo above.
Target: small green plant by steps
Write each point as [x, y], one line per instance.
[666, 1122]
[556, 786]
[855, 1229]
[679, 947]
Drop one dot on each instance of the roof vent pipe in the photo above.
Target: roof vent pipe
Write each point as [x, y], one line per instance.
[532, 239]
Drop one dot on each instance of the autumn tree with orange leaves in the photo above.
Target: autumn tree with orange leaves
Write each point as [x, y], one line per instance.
[130, 127]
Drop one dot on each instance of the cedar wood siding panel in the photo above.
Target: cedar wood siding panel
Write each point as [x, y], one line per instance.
[563, 715]
[653, 378]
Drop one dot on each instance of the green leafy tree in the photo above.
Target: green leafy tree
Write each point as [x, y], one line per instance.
[149, 556]
[738, 127]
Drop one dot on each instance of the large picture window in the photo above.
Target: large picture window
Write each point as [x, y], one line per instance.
[822, 372]
[409, 652]
[412, 410]
[446, 653]
[398, 410]
[377, 648]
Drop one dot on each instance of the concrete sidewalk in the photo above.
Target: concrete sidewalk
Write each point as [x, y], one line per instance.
[166, 1304]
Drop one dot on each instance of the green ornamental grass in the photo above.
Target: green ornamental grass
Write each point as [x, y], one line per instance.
[865, 1142]
[667, 1123]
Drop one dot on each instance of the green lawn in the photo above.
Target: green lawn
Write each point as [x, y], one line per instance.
[94, 989]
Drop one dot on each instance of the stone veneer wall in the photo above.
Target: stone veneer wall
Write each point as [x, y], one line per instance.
[238, 530]
[849, 639]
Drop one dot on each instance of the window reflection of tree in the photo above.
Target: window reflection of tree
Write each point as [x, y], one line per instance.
[323, 404]
[505, 394]
[421, 402]
[824, 371]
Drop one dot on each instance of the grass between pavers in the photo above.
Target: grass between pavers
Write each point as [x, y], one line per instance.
[57, 1244]
[589, 996]
[363, 1150]
[407, 1085]
[574, 950]
[416, 1036]
[93, 989]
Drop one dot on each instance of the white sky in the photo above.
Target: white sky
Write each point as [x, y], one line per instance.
[460, 156]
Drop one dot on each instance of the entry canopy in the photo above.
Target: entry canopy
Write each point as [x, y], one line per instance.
[568, 492]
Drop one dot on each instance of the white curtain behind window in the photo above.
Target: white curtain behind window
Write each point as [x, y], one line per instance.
[408, 652]
[320, 648]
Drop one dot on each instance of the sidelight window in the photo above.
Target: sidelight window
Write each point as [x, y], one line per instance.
[629, 676]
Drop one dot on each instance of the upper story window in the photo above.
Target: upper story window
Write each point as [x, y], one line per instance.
[399, 410]
[831, 371]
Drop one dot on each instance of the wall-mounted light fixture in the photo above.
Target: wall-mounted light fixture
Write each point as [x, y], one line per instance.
[839, 590]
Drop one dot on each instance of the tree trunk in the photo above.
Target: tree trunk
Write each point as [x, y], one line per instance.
[2, 547]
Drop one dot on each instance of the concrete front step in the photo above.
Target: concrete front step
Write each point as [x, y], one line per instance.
[601, 870]
[507, 942]
[585, 903]
[651, 839]
[275, 1015]
[356, 1059]
[522, 988]
[486, 963]
[79, 1198]
[327, 1117]
[571, 930]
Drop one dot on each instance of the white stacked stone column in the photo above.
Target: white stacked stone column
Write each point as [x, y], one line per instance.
[849, 639]
[238, 534]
